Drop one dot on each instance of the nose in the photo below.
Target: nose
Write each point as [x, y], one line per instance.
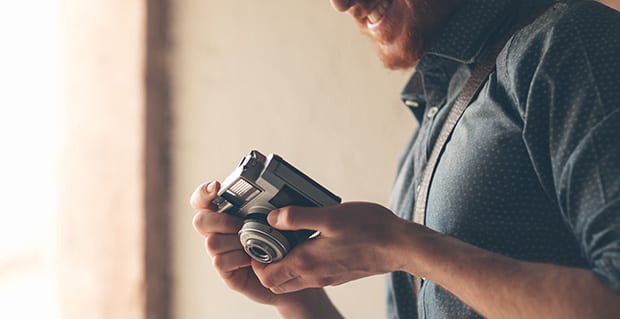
[341, 5]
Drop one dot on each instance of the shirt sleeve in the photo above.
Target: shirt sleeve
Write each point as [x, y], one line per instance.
[569, 89]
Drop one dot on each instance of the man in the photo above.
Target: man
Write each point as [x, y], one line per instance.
[523, 213]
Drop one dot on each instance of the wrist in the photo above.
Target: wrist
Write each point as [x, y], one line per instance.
[307, 304]
[415, 247]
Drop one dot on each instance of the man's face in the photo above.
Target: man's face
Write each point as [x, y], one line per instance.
[401, 29]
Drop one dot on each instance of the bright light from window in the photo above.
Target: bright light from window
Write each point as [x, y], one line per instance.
[28, 105]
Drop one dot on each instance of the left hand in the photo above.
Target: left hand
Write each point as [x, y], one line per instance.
[357, 240]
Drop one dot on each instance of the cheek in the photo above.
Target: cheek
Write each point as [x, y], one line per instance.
[400, 20]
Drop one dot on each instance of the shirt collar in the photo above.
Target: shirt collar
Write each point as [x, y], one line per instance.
[469, 29]
[459, 43]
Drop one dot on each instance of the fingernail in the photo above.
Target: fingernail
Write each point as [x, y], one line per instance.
[211, 187]
[272, 218]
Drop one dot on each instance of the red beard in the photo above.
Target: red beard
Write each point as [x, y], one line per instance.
[401, 40]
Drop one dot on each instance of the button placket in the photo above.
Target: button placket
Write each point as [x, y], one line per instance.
[432, 112]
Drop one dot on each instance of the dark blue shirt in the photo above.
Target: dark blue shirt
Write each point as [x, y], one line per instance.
[532, 170]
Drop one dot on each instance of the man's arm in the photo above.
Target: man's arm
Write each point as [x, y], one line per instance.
[362, 239]
[502, 287]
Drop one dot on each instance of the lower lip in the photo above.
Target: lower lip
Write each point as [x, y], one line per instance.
[377, 25]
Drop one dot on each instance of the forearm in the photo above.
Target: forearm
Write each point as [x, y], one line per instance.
[501, 287]
[308, 304]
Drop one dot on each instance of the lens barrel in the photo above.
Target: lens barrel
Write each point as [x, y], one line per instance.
[263, 242]
[259, 251]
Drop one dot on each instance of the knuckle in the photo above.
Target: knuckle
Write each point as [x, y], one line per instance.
[260, 275]
[193, 200]
[198, 221]
[230, 261]
[331, 222]
[304, 264]
[265, 280]
[287, 215]
[233, 224]
[212, 222]
[196, 199]
[322, 281]
[218, 262]
[268, 281]
[233, 284]
[290, 273]
[277, 290]
[211, 244]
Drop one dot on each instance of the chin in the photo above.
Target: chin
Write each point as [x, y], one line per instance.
[401, 59]
[403, 54]
[402, 40]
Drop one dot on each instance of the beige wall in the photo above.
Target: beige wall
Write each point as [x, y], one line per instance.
[292, 77]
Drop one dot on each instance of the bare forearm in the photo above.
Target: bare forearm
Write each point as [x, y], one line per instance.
[314, 303]
[501, 287]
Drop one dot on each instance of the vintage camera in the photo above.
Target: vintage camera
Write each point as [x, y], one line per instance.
[259, 185]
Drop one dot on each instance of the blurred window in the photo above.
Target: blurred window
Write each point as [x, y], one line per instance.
[28, 104]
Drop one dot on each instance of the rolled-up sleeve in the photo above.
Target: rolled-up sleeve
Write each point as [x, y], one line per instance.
[572, 129]
[589, 190]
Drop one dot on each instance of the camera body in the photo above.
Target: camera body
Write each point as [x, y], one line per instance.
[259, 185]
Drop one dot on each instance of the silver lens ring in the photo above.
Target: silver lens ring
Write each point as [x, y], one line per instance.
[259, 251]
[262, 242]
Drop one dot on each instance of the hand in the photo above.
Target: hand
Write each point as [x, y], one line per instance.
[356, 240]
[222, 244]
[232, 263]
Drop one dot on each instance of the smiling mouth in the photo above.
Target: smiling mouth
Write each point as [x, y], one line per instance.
[379, 11]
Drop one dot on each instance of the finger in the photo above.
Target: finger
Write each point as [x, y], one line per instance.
[207, 222]
[297, 218]
[295, 284]
[203, 195]
[273, 275]
[304, 282]
[299, 283]
[231, 261]
[217, 244]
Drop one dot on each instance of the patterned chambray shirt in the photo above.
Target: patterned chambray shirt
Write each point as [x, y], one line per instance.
[532, 170]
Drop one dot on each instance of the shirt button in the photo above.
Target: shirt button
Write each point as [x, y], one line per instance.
[412, 103]
[431, 112]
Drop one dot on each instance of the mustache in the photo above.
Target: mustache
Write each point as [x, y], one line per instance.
[361, 8]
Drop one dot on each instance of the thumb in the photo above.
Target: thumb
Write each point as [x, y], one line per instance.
[203, 195]
[298, 218]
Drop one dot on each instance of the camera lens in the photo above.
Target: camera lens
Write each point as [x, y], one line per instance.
[257, 251]
[262, 242]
